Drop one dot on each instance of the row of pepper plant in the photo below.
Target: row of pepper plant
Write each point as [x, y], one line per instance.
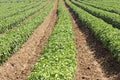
[111, 18]
[109, 8]
[104, 32]
[10, 22]
[12, 40]
[57, 61]
[10, 9]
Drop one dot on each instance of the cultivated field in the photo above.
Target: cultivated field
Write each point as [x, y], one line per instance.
[59, 40]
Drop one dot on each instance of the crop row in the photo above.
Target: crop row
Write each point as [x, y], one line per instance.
[8, 7]
[109, 17]
[17, 1]
[109, 36]
[10, 22]
[11, 9]
[104, 7]
[107, 3]
[12, 40]
[57, 61]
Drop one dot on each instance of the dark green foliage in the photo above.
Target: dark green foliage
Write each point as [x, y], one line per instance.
[107, 5]
[109, 36]
[109, 17]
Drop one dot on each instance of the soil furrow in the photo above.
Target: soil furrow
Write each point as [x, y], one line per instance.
[87, 66]
[18, 66]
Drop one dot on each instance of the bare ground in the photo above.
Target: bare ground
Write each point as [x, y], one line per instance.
[87, 66]
[93, 61]
[18, 66]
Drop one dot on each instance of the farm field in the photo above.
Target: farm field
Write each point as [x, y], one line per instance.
[59, 40]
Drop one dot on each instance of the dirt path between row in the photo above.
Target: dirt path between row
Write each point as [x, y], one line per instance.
[87, 66]
[18, 66]
[93, 61]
